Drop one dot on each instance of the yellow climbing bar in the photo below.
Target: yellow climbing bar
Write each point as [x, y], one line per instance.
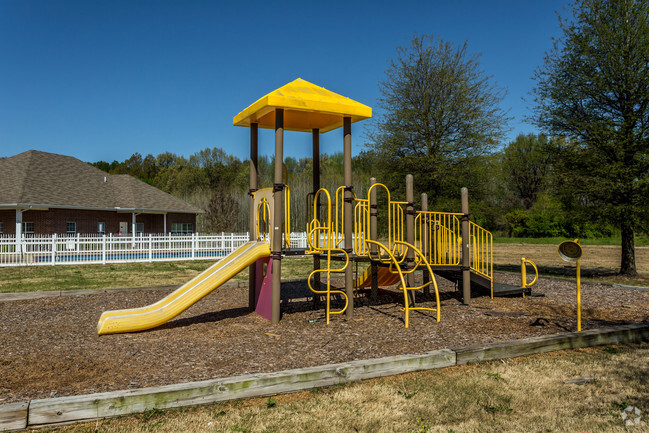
[322, 240]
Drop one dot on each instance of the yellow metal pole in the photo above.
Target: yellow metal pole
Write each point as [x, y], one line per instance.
[579, 295]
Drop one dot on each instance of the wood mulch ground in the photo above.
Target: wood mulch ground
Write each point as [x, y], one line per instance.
[49, 347]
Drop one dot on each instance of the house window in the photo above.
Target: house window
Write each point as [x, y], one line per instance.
[28, 227]
[1, 227]
[139, 227]
[181, 228]
[101, 228]
[71, 227]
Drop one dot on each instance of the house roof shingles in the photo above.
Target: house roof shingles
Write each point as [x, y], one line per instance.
[52, 180]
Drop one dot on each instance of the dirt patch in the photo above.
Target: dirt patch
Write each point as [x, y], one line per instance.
[50, 346]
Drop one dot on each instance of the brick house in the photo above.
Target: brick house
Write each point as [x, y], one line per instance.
[46, 193]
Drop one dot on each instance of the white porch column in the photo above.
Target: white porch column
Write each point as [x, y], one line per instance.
[133, 228]
[19, 230]
[164, 223]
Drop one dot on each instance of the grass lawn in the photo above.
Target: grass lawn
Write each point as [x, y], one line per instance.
[599, 263]
[74, 277]
[519, 395]
[639, 241]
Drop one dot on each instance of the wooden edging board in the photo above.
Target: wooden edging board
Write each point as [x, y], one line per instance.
[51, 411]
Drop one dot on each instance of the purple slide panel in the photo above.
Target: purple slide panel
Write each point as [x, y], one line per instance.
[264, 288]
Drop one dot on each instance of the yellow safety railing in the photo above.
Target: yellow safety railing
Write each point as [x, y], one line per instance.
[524, 283]
[396, 223]
[339, 216]
[396, 267]
[482, 252]
[361, 226]
[321, 238]
[438, 234]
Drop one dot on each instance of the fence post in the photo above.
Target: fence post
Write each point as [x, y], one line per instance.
[193, 245]
[103, 249]
[150, 249]
[53, 249]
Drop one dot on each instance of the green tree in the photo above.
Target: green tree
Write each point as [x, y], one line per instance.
[222, 211]
[593, 88]
[526, 164]
[439, 111]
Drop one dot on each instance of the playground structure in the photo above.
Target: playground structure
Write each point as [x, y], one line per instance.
[342, 230]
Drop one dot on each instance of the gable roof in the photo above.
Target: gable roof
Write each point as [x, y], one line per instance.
[306, 106]
[48, 180]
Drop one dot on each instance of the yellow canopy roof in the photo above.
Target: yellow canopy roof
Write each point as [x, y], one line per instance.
[306, 106]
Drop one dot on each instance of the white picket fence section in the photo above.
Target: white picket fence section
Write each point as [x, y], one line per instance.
[39, 250]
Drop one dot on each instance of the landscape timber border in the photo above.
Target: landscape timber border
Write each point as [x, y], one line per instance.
[91, 407]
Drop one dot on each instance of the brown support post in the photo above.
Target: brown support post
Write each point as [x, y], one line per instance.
[425, 247]
[252, 269]
[316, 187]
[278, 216]
[466, 269]
[410, 234]
[349, 212]
[374, 294]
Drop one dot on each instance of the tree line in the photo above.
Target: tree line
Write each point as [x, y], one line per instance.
[518, 190]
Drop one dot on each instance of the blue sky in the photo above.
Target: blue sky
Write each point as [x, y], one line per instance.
[101, 80]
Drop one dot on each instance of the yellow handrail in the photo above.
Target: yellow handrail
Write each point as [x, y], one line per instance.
[395, 267]
[481, 241]
[524, 283]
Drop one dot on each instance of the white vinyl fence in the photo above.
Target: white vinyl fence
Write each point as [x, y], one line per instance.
[38, 250]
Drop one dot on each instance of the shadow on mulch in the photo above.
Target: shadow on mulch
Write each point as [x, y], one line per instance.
[562, 271]
[212, 317]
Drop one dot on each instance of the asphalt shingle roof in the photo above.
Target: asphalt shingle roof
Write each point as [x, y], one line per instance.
[52, 180]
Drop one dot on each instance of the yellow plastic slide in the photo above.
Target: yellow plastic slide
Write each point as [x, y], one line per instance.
[384, 278]
[139, 319]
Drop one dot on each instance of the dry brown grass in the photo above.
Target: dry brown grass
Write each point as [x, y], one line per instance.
[521, 395]
[598, 263]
